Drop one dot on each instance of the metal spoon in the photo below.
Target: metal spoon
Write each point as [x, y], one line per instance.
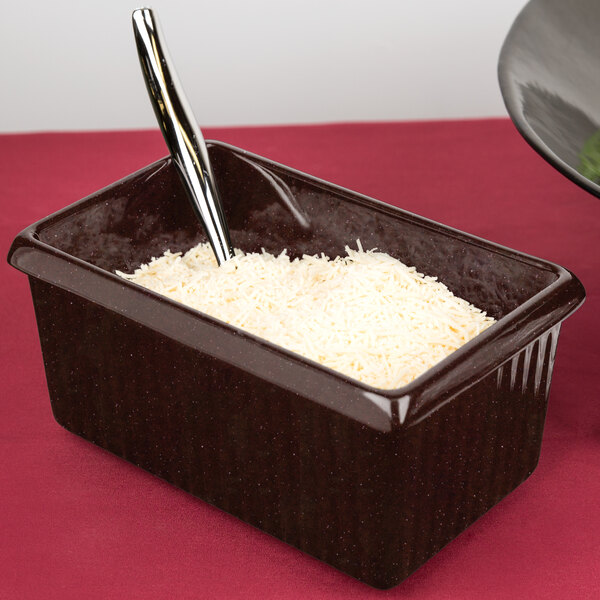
[180, 131]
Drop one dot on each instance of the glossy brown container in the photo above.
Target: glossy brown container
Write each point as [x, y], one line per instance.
[372, 482]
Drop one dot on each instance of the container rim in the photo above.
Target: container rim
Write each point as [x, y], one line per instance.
[401, 406]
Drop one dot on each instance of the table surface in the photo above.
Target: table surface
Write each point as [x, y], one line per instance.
[78, 522]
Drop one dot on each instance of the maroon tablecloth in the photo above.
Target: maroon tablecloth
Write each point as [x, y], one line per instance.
[77, 522]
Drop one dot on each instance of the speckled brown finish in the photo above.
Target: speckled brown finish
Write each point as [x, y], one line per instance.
[373, 482]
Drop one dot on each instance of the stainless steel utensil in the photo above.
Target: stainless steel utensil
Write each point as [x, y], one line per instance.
[179, 128]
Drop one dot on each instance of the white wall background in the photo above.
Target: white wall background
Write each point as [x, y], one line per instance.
[70, 64]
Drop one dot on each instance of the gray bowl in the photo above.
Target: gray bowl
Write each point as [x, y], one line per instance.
[549, 72]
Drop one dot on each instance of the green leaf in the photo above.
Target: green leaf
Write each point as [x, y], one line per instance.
[589, 157]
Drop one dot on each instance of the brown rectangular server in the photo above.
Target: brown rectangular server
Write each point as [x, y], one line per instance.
[371, 481]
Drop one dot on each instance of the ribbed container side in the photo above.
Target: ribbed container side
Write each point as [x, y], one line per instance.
[376, 505]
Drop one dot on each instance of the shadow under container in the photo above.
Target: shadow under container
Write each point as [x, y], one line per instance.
[371, 481]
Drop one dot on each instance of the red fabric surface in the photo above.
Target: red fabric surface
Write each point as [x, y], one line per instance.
[77, 522]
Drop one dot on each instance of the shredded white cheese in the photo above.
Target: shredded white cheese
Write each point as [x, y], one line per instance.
[366, 315]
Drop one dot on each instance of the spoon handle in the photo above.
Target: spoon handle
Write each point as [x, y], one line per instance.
[181, 133]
